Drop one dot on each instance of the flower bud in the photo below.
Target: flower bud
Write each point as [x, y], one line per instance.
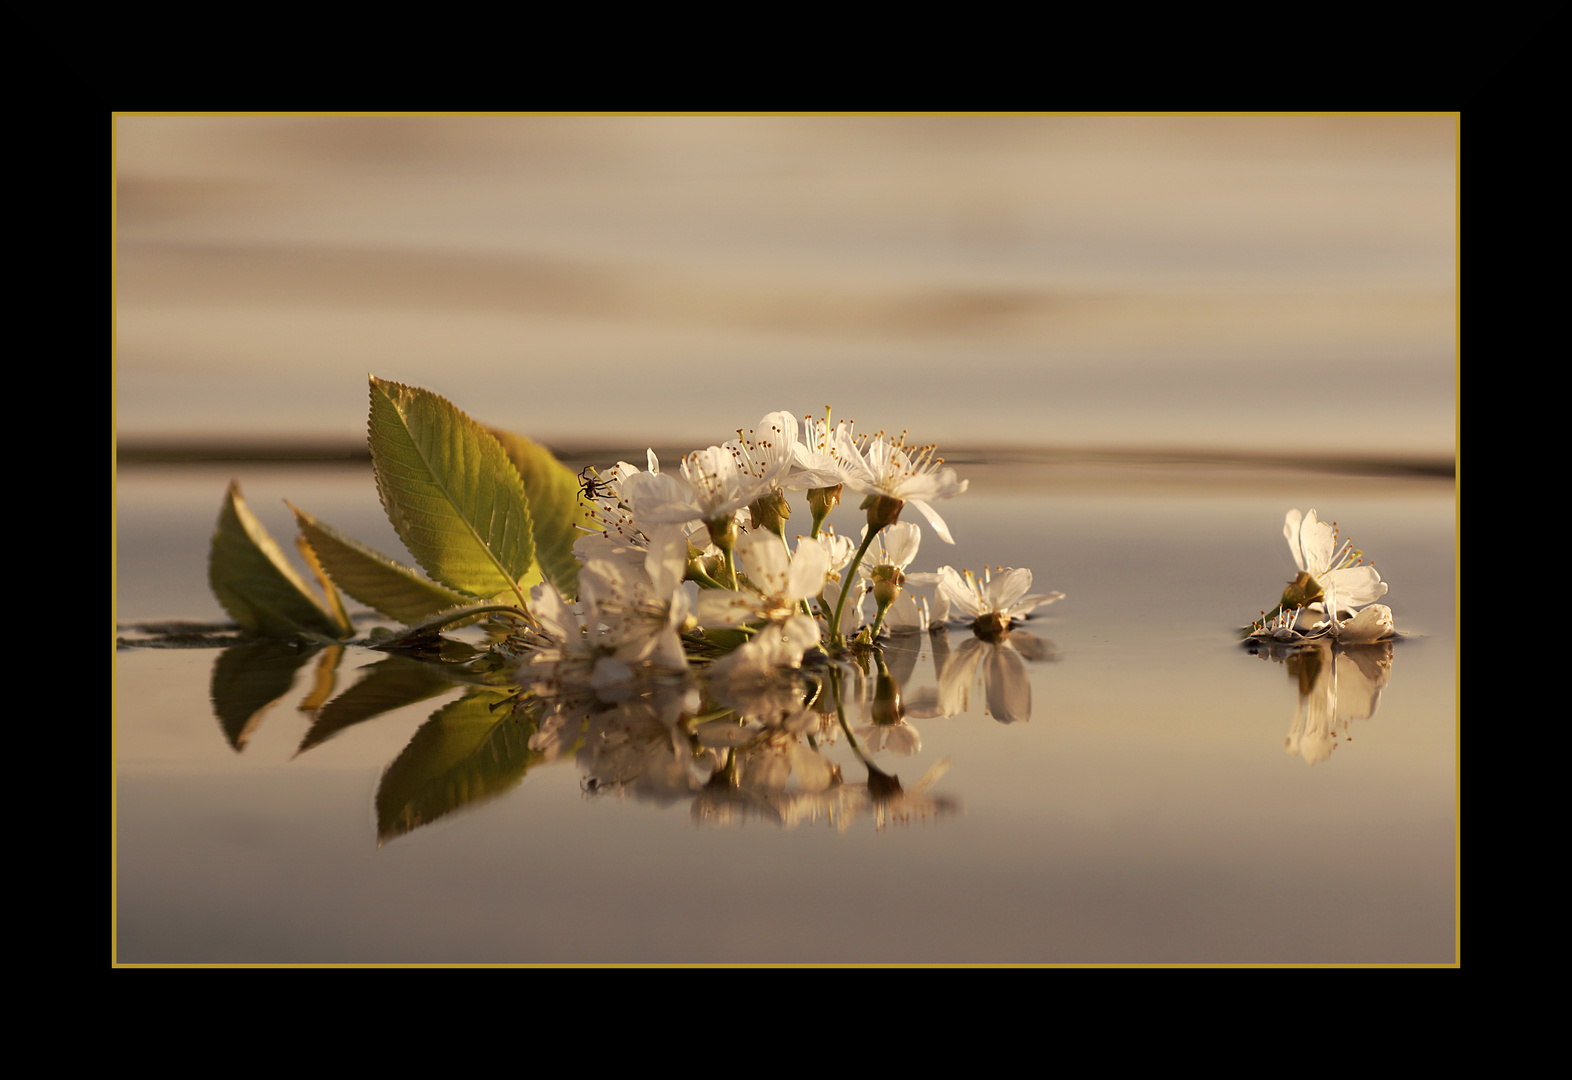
[882, 511]
[887, 582]
[1303, 590]
[770, 511]
[723, 532]
[991, 627]
[821, 501]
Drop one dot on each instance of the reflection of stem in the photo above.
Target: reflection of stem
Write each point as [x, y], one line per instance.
[881, 785]
[818, 688]
[840, 714]
[848, 580]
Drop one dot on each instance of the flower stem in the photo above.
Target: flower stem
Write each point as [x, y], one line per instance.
[878, 621]
[848, 579]
[704, 580]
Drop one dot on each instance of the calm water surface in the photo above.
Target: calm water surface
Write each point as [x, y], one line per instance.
[1171, 798]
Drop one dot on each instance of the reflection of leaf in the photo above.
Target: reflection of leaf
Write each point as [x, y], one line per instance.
[384, 686]
[377, 581]
[254, 583]
[555, 506]
[327, 676]
[248, 679]
[454, 498]
[466, 753]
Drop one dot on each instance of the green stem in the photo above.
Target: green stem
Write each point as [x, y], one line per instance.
[703, 580]
[878, 621]
[849, 579]
[731, 568]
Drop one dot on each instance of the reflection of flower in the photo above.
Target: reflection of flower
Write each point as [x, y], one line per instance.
[1337, 684]
[886, 727]
[1006, 687]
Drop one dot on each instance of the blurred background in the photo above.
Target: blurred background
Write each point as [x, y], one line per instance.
[1249, 286]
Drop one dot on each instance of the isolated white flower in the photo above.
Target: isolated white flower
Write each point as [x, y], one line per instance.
[1328, 566]
[991, 602]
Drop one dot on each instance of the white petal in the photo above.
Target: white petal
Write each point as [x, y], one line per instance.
[934, 519]
[901, 541]
[1291, 531]
[1028, 604]
[953, 591]
[809, 569]
[1010, 586]
[667, 561]
[765, 560]
[1371, 624]
[1316, 542]
[722, 607]
[1355, 586]
[546, 604]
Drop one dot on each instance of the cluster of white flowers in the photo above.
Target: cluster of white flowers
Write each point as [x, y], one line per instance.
[758, 602]
[1333, 581]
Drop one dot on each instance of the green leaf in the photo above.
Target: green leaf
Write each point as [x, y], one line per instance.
[556, 506]
[453, 496]
[248, 680]
[260, 590]
[384, 686]
[396, 590]
[467, 753]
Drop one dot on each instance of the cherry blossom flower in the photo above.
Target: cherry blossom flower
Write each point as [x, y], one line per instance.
[887, 469]
[781, 582]
[1324, 565]
[992, 604]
